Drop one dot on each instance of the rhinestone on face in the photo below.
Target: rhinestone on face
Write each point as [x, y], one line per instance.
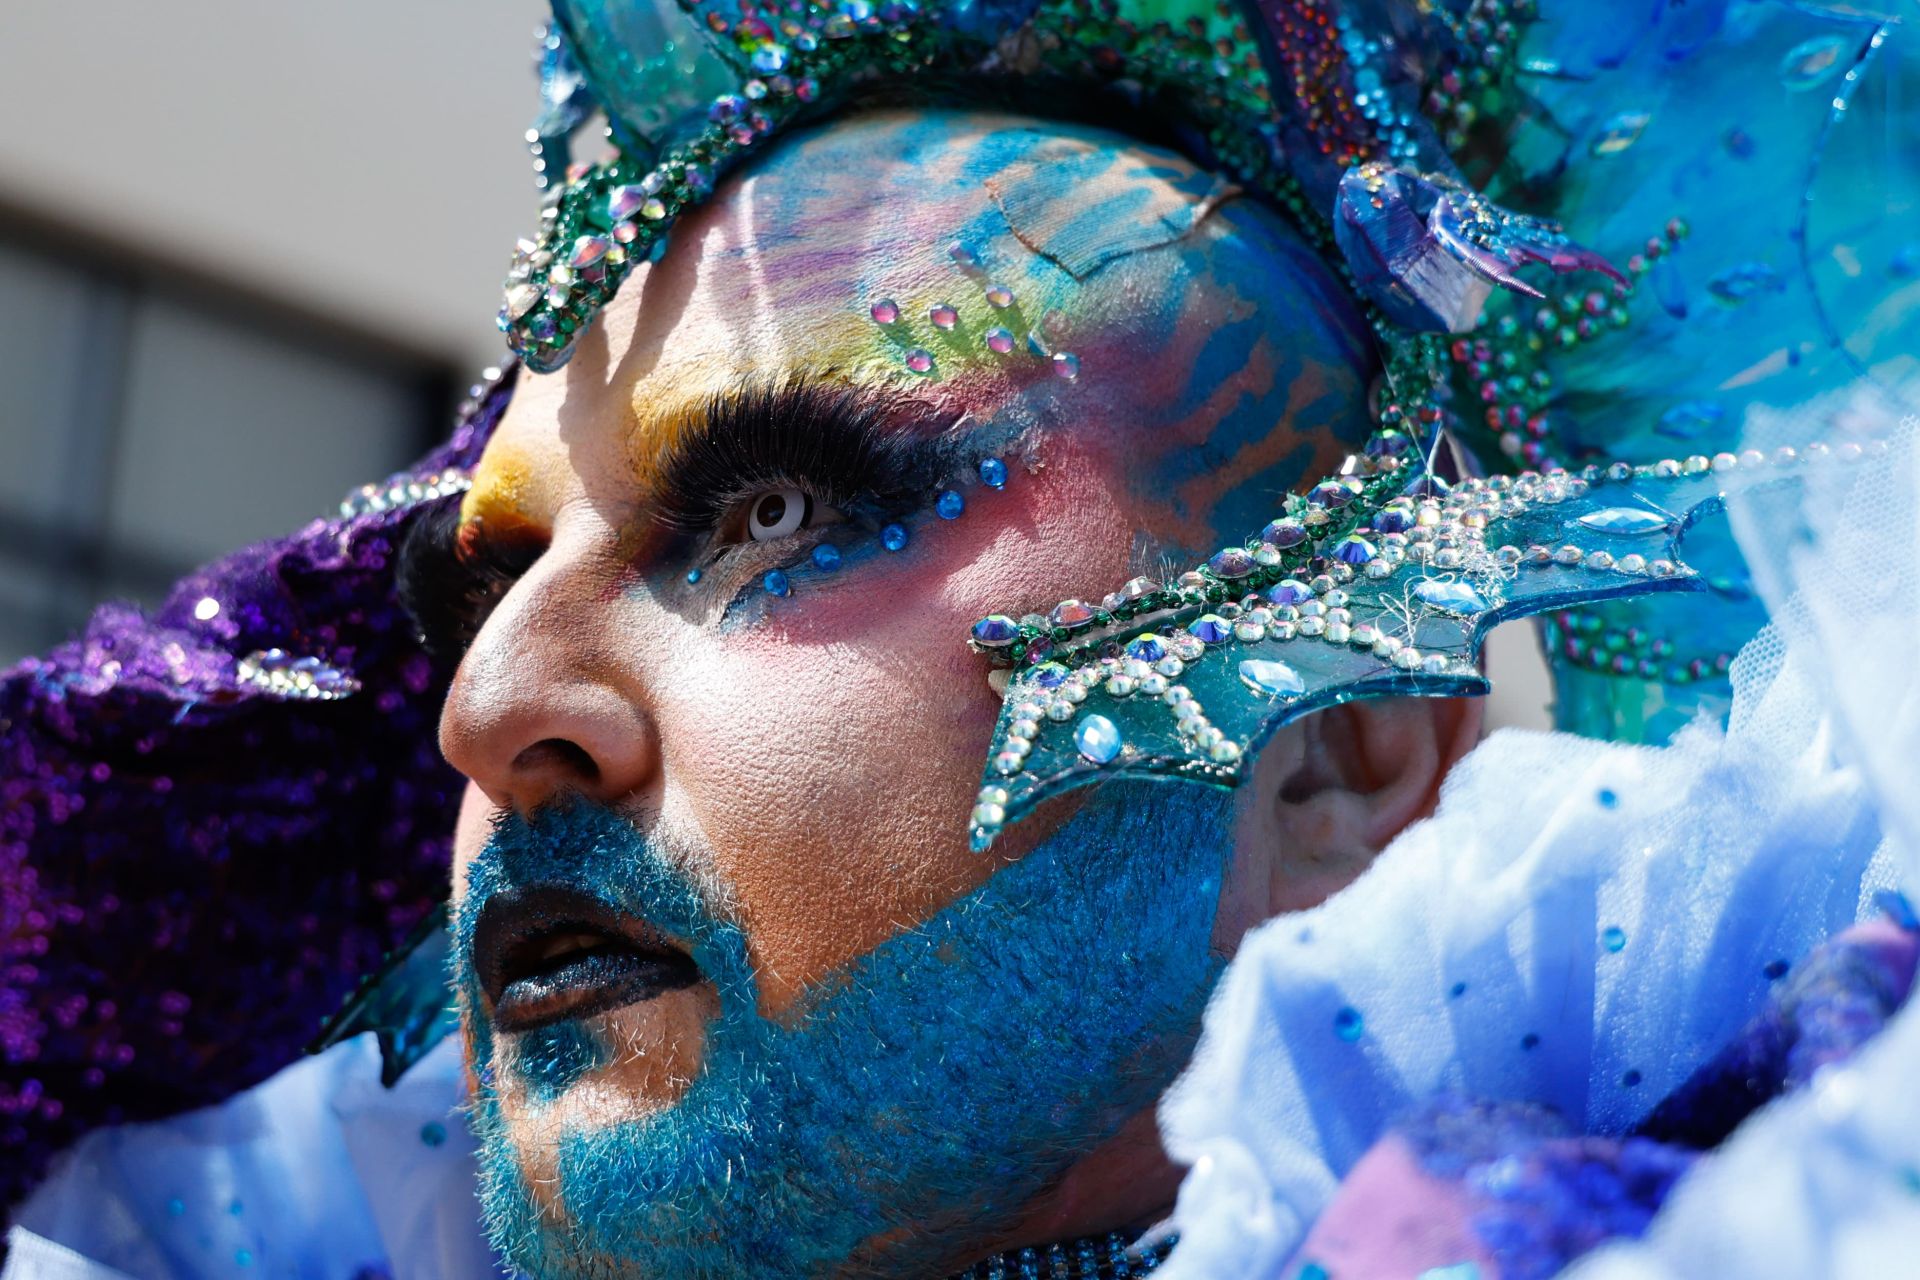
[1066, 364]
[999, 340]
[920, 360]
[943, 315]
[949, 505]
[885, 311]
[999, 295]
[993, 473]
[894, 537]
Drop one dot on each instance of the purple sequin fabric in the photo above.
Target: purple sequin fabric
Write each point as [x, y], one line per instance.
[195, 868]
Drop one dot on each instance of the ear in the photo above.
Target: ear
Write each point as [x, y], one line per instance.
[1345, 783]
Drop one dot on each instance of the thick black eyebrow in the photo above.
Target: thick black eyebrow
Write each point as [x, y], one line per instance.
[847, 445]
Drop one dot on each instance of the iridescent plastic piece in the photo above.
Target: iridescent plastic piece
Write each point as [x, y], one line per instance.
[1192, 691]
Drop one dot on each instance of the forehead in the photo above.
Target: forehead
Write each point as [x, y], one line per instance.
[781, 272]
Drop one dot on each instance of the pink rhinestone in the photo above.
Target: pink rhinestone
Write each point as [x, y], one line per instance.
[999, 341]
[920, 361]
[886, 311]
[943, 316]
[999, 295]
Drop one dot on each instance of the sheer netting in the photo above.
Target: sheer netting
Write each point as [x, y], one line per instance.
[1583, 924]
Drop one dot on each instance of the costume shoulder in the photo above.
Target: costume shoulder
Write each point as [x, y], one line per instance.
[213, 819]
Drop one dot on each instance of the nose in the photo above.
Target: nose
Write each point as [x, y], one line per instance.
[544, 705]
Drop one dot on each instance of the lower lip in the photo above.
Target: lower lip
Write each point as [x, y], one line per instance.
[596, 983]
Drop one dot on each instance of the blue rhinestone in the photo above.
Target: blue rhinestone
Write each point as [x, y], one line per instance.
[1348, 1024]
[1530, 1041]
[949, 505]
[1775, 970]
[1614, 938]
[1330, 494]
[1212, 628]
[1098, 739]
[1234, 562]
[1276, 679]
[1457, 990]
[1453, 597]
[1290, 591]
[993, 473]
[826, 557]
[1393, 520]
[1354, 549]
[1606, 797]
[1147, 649]
[433, 1133]
[995, 630]
[1284, 533]
[1388, 443]
[1634, 521]
[1048, 675]
[1631, 1079]
[776, 583]
[693, 575]
[894, 537]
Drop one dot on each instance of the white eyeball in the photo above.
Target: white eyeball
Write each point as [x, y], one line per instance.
[777, 513]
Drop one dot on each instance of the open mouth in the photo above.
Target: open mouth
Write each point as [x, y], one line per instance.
[547, 955]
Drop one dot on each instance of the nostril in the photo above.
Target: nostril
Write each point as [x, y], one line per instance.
[558, 756]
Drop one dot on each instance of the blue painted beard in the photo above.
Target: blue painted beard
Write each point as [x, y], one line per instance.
[916, 1102]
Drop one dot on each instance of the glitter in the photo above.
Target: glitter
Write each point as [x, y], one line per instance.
[885, 311]
[1066, 364]
[920, 360]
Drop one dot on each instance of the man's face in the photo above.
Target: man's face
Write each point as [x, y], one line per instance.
[748, 761]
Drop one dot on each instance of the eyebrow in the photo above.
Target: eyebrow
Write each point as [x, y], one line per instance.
[853, 447]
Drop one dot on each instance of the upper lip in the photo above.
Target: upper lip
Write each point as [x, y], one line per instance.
[546, 954]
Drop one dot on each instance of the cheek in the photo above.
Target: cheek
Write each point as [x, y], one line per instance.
[831, 752]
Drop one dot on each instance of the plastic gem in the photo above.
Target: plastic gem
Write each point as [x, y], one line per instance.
[1048, 675]
[1453, 597]
[894, 537]
[1234, 562]
[1097, 738]
[1348, 1024]
[1000, 340]
[943, 315]
[1147, 649]
[999, 295]
[995, 631]
[885, 311]
[653, 210]
[961, 254]
[993, 473]
[1284, 533]
[826, 557]
[776, 583]
[1066, 364]
[206, 609]
[1812, 61]
[769, 58]
[624, 202]
[1071, 613]
[1276, 679]
[1614, 939]
[1211, 628]
[920, 360]
[1619, 133]
[949, 505]
[522, 298]
[1625, 520]
[588, 250]
[1354, 549]
[1290, 591]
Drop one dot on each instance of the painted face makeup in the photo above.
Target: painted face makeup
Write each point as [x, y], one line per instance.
[912, 1103]
[727, 552]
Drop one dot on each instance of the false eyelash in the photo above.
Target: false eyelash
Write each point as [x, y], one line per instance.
[840, 444]
[448, 586]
